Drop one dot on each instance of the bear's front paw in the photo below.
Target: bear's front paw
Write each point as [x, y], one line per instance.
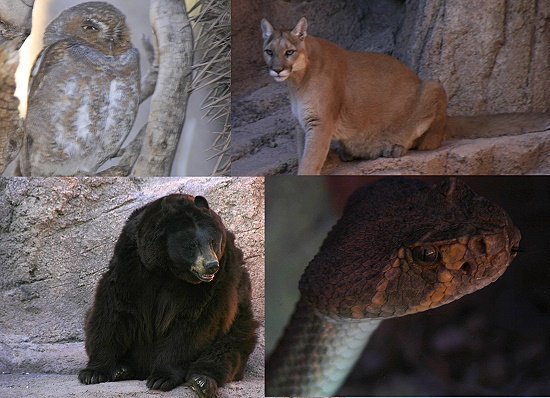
[123, 371]
[92, 376]
[204, 386]
[162, 382]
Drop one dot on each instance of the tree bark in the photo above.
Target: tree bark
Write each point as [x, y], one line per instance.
[15, 26]
[11, 133]
[174, 38]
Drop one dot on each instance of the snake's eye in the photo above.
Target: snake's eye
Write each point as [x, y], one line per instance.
[425, 254]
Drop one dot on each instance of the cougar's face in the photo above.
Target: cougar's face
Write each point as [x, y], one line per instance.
[283, 55]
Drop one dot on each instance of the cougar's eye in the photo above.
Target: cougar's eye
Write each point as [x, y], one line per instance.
[269, 52]
[288, 53]
[425, 254]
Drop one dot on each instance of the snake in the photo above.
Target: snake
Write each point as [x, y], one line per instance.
[401, 246]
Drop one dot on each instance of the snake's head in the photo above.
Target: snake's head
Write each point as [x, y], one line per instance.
[404, 246]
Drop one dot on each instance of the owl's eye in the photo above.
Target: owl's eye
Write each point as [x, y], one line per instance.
[89, 27]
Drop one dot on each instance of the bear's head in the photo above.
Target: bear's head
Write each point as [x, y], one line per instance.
[179, 234]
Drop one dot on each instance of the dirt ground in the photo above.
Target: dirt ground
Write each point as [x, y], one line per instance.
[41, 385]
[51, 385]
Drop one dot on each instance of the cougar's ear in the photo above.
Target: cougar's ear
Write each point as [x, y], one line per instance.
[300, 30]
[267, 29]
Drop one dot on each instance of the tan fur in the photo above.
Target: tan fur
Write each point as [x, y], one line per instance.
[373, 104]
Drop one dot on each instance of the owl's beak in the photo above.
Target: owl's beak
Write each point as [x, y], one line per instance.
[111, 44]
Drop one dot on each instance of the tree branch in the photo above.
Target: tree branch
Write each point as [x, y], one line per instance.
[149, 81]
[15, 26]
[15, 20]
[168, 104]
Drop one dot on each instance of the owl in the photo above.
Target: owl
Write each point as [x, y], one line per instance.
[83, 93]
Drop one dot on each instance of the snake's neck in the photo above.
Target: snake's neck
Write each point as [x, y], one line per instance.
[315, 354]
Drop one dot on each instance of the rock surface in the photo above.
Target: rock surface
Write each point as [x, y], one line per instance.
[490, 59]
[57, 236]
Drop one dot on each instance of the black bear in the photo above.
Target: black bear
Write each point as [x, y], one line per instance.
[174, 306]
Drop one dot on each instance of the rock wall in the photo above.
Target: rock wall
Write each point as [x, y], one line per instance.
[490, 57]
[56, 238]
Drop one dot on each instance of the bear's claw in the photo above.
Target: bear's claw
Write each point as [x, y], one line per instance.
[123, 372]
[163, 383]
[204, 386]
[91, 376]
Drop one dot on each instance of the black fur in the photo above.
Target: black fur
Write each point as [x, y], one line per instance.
[154, 317]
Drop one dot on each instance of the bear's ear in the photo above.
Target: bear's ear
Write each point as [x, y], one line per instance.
[167, 204]
[200, 201]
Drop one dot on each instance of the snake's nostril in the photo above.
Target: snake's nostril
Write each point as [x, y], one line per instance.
[466, 268]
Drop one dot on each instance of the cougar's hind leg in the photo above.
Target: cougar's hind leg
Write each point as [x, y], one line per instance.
[344, 153]
[431, 115]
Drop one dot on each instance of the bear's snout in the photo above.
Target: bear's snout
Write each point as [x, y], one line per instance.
[211, 267]
[205, 269]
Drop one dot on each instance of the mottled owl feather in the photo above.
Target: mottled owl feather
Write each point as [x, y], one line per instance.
[83, 93]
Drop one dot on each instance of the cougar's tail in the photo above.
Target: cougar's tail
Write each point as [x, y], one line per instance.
[487, 126]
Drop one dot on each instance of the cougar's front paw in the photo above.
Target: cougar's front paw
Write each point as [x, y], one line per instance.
[394, 151]
[162, 382]
[93, 376]
[204, 386]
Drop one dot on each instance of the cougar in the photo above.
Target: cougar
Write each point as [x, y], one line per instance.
[371, 103]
